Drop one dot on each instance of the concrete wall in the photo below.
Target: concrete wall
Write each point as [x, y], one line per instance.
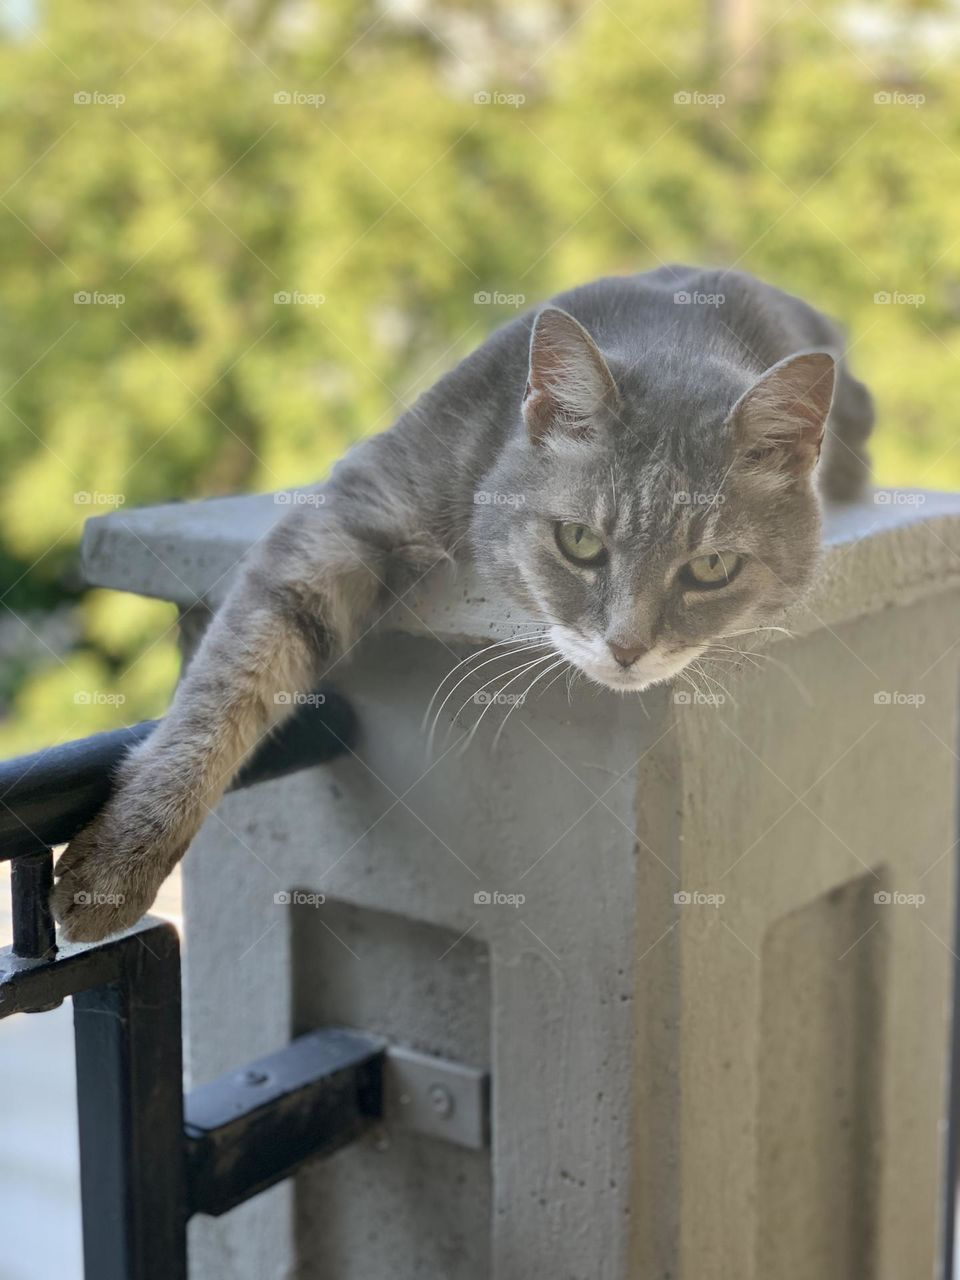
[717, 1022]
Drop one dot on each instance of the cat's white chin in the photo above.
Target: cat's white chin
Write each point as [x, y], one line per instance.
[594, 659]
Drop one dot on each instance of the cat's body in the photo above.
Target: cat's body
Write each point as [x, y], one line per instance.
[634, 463]
[457, 429]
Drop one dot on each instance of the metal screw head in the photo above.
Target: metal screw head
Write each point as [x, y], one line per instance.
[441, 1099]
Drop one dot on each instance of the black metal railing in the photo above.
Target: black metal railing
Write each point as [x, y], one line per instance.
[46, 798]
[150, 1158]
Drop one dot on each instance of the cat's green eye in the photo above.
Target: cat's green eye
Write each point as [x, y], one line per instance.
[706, 573]
[579, 542]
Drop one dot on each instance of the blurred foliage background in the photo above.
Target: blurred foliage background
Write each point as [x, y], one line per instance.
[408, 174]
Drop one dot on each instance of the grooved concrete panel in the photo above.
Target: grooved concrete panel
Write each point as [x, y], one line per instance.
[821, 1041]
[421, 986]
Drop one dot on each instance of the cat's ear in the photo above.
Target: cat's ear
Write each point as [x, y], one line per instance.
[568, 378]
[779, 422]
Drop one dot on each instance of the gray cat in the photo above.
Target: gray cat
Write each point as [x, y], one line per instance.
[634, 463]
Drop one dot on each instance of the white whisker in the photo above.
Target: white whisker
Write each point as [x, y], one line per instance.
[552, 683]
[785, 667]
[714, 680]
[509, 654]
[749, 631]
[519, 673]
[561, 662]
[687, 673]
[518, 639]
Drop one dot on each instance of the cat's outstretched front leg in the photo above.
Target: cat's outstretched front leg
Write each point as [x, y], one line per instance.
[303, 599]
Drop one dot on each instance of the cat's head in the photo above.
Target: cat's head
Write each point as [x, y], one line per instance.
[650, 508]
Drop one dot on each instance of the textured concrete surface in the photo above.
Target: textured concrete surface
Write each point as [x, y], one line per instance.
[188, 553]
[791, 1039]
[717, 1020]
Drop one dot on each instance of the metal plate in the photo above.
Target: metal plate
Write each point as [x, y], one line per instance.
[436, 1097]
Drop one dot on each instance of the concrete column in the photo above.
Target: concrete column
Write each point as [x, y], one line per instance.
[713, 992]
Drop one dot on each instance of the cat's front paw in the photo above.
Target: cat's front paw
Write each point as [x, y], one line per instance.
[108, 877]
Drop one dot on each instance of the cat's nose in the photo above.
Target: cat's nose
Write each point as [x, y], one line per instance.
[626, 655]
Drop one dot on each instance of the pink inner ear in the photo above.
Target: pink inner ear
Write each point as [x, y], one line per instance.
[781, 419]
[537, 413]
[568, 377]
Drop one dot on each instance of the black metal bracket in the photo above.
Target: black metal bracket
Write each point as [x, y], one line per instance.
[144, 1169]
[150, 1158]
[254, 1127]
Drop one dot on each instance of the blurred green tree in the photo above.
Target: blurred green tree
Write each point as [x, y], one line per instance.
[238, 237]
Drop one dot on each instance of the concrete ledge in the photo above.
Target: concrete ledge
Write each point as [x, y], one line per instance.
[715, 1027]
[900, 547]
